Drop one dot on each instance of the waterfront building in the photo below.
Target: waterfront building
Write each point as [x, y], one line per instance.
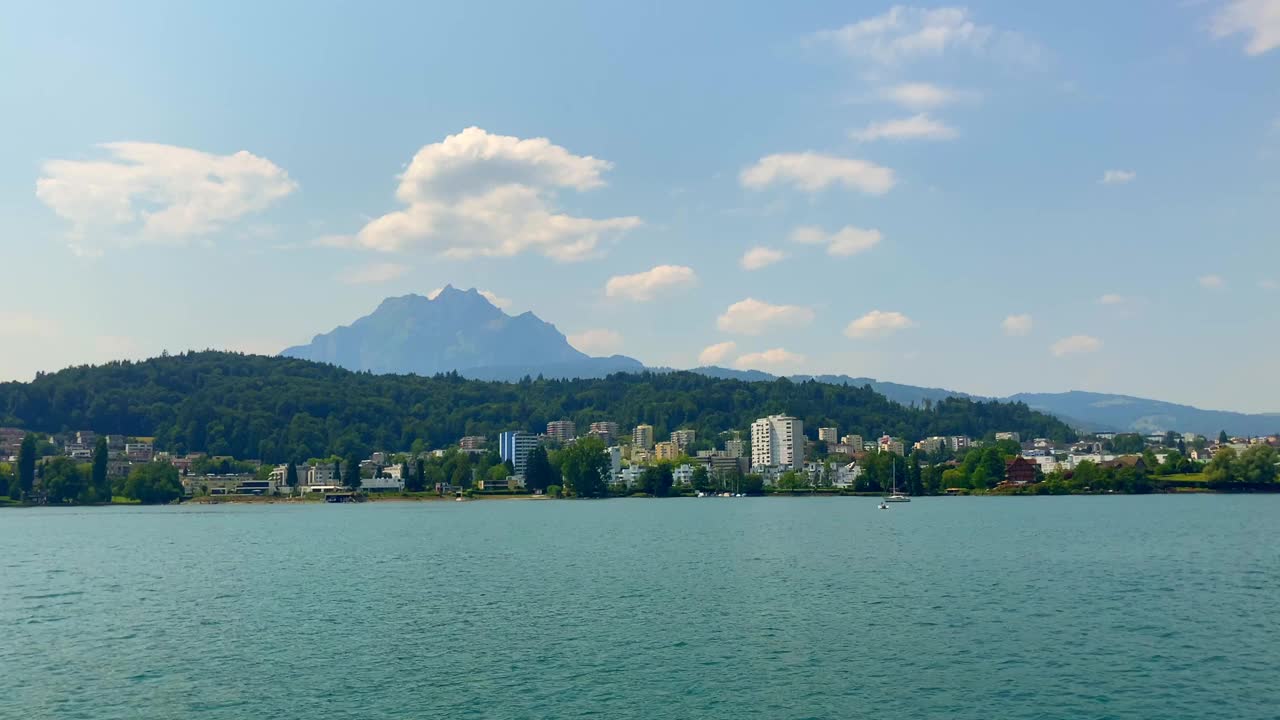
[515, 445]
[777, 441]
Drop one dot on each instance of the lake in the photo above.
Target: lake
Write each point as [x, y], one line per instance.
[1058, 607]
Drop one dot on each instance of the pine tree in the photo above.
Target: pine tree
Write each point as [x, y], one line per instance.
[352, 478]
[27, 465]
[98, 480]
[291, 475]
[404, 475]
[421, 479]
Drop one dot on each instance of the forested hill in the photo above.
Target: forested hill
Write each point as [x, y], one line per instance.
[276, 408]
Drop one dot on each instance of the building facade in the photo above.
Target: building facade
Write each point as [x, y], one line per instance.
[642, 437]
[515, 445]
[777, 441]
[828, 435]
[562, 431]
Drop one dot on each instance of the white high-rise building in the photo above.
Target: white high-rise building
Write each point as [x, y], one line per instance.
[777, 441]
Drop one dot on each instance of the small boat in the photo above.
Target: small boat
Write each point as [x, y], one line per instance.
[894, 495]
[883, 506]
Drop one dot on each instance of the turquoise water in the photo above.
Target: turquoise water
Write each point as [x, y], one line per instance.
[1086, 607]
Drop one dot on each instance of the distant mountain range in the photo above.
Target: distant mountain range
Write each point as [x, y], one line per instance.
[460, 330]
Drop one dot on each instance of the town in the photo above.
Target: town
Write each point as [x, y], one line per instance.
[775, 455]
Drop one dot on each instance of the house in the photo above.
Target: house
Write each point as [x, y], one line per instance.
[682, 475]
[1019, 471]
[847, 475]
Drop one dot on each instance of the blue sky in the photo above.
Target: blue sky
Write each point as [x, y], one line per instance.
[995, 198]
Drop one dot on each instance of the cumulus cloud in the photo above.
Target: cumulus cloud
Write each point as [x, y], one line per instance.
[373, 273]
[599, 341]
[15, 324]
[1117, 177]
[811, 172]
[1111, 299]
[478, 194]
[1211, 282]
[1017, 324]
[644, 286]
[1257, 19]
[152, 193]
[777, 357]
[921, 96]
[753, 317]
[846, 241]
[878, 322]
[1075, 344]
[715, 354]
[916, 127]
[904, 34]
[759, 257]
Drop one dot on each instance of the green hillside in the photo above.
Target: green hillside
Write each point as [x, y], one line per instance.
[276, 408]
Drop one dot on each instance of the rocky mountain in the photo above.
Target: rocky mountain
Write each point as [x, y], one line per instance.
[457, 330]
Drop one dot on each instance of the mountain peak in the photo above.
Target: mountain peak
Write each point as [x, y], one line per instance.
[447, 330]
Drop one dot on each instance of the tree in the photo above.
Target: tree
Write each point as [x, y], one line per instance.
[1257, 465]
[98, 484]
[27, 465]
[1221, 468]
[701, 479]
[656, 480]
[405, 478]
[585, 468]
[1223, 438]
[538, 471]
[420, 476]
[291, 476]
[64, 482]
[352, 478]
[153, 483]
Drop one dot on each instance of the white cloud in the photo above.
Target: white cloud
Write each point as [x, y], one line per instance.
[759, 257]
[916, 127]
[1211, 282]
[152, 193]
[644, 286]
[599, 341]
[373, 273]
[878, 322]
[1259, 19]
[1017, 324]
[497, 300]
[753, 317]
[846, 241]
[921, 96]
[16, 324]
[715, 354]
[904, 33]
[809, 235]
[1111, 299]
[811, 172]
[1075, 344]
[1118, 177]
[777, 357]
[477, 194]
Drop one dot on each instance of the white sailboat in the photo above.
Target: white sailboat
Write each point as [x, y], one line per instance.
[894, 495]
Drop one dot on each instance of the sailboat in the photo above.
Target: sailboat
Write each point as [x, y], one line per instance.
[894, 495]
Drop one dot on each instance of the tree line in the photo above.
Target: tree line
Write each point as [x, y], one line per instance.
[282, 409]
